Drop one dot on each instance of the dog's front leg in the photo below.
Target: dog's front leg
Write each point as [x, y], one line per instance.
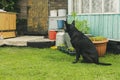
[77, 56]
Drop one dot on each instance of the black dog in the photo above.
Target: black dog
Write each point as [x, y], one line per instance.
[83, 45]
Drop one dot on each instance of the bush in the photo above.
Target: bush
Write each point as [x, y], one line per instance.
[81, 25]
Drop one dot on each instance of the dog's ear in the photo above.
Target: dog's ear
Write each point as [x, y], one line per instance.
[66, 26]
[73, 22]
[65, 22]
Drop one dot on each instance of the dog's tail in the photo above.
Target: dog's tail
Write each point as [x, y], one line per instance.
[104, 64]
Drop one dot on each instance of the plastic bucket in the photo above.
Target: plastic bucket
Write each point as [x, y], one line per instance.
[62, 12]
[52, 35]
[53, 13]
[60, 24]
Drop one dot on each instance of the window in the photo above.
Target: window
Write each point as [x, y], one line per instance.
[96, 6]
[93, 6]
[110, 5]
[85, 5]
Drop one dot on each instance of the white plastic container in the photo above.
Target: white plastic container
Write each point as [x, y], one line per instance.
[62, 12]
[53, 13]
[60, 38]
[53, 25]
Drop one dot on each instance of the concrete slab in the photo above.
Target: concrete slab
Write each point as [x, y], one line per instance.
[1, 42]
[41, 40]
[21, 41]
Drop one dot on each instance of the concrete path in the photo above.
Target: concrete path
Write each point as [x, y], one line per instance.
[22, 40]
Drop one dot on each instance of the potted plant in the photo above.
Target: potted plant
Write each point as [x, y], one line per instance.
[100, 44]
[65, 49]
[71, 51]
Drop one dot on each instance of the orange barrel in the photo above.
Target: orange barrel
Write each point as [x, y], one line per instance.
[52, 35]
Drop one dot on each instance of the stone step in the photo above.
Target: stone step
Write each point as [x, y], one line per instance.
[21, 41]
[31, 41]
[44, 43]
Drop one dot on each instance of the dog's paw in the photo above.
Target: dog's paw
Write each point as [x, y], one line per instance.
[82, 61]
[74, 62]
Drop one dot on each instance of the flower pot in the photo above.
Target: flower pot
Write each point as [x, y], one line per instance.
[101, 47]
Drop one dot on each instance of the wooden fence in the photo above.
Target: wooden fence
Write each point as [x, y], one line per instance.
[7, 24]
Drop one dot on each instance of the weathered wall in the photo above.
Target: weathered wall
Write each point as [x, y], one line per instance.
[37, 16]
[23, 9]
[58, 4]
[22, 18]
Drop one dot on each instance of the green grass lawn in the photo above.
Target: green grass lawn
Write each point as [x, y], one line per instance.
[24, 63]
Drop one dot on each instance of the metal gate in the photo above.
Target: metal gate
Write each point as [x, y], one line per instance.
[37, 16]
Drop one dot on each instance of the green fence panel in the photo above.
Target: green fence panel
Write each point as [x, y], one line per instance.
[107, 25]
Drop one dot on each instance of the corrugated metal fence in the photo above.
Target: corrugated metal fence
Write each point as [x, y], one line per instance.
[107, 25]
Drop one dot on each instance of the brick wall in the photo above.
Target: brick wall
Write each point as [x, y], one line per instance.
[23, 9]
[21, 26]
[58, 4]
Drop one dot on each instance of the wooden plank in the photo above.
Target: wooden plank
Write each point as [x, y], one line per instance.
[8, 34]
[7, 22]
[1, 22]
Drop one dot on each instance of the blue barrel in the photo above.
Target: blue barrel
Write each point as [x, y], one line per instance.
[60, 24]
